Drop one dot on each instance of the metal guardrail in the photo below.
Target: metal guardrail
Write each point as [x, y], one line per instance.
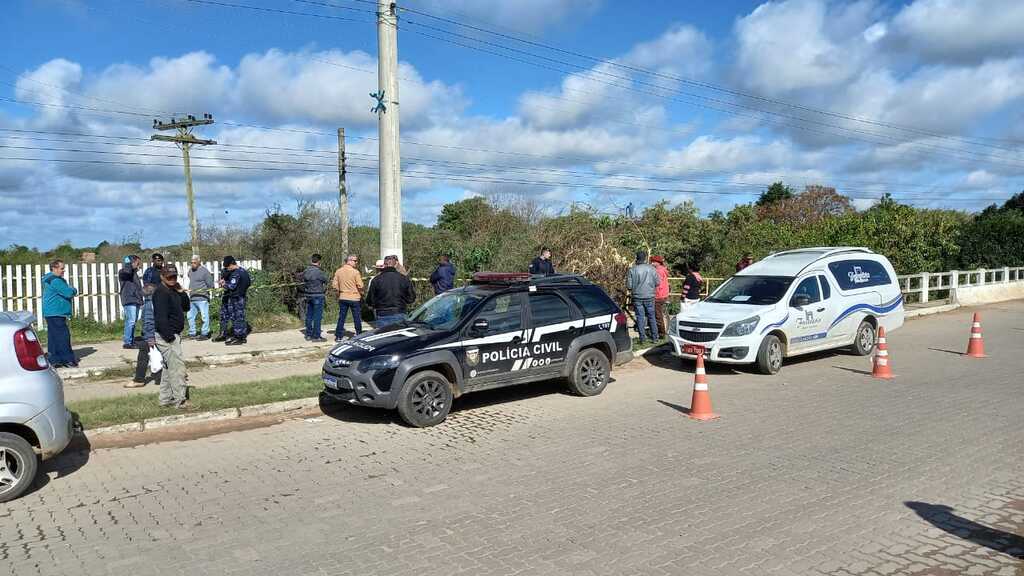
[932, 286]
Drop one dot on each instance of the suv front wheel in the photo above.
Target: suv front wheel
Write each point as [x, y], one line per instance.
[426, 399]
[590, 373]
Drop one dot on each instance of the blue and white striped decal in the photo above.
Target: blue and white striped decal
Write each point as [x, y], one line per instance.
[775, 325]
[881, 310]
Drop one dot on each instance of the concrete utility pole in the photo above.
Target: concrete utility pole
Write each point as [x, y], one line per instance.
[185, 140]
[342, 193]
[387, 117]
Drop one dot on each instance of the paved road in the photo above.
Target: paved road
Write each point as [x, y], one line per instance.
[821, 470]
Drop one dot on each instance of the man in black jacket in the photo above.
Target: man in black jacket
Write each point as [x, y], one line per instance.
[235, 282]
[131, 296]
[542, 264]
[314, 290]
[390, 295]
[170, 303]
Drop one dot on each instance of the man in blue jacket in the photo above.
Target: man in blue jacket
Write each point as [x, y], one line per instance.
[443, 278]
[57, 295]
[235, 283]
[131, 297]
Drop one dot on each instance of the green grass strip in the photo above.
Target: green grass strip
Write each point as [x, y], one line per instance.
[100, 412]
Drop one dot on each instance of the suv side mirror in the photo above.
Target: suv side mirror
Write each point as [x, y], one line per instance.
[480, 325]
[801, 300]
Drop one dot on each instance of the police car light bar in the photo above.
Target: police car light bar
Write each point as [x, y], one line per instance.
[485, 277]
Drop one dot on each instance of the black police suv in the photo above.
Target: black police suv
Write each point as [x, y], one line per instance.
[500, 330]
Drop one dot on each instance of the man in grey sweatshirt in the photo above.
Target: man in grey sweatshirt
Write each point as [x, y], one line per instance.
[314, 289]
[200, 282]
[641, 281]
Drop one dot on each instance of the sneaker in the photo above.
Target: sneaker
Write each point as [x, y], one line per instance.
[307, 338]
[183, 405]
[235, 342]
[135, 384]
[127, 346]
[318, 339]
[203, 337]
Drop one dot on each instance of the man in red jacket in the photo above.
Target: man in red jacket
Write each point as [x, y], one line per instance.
[661, 292]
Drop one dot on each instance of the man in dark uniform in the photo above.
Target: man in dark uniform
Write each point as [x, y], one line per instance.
[235, 283]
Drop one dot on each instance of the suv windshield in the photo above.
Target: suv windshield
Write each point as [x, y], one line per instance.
[752, 290]
[443, 312]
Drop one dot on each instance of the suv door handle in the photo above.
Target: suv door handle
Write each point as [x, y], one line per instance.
[821, 309]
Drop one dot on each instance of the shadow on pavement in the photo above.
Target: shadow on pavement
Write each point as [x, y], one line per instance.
[468, 402]
[675, 407]
[942, 517]
[854, 370]
[71, 460]
[954, 352]
[84, 352]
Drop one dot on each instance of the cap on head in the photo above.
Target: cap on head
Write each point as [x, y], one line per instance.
[228, 261]
[127, 260]
[158, 256]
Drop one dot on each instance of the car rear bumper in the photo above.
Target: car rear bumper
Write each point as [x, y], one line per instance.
[54, 428]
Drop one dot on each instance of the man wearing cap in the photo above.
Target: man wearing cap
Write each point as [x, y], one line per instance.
[236, 283]
[170, 303]
[131, 296]
[348, 283]
[390, 294]
[747, 260]
[200, 282]
[642, 281]
[661, 292]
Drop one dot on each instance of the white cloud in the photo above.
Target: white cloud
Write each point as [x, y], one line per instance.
[799, 44]
[960, 31]
[709, 154]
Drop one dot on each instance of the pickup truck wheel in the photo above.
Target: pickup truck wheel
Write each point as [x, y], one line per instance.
[769, 356]
[426, 399]
[865, 341]
[18, 464]
[590, 373]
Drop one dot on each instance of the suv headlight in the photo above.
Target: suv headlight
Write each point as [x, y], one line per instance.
[380, 363]
[742, 328]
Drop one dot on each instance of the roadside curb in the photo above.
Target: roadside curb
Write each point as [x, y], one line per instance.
[209, 360]
[916, 312]
[210, 416]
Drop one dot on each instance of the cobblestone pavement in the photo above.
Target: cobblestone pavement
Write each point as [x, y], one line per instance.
[820, 470]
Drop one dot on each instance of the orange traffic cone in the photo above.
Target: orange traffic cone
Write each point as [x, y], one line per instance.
[976, 345]
[881, 369]
[700, 404]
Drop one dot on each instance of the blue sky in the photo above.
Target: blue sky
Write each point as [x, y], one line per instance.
[702, 101]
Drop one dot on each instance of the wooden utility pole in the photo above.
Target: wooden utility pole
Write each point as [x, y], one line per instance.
[390, 186]
[342, 193]
[185, 140]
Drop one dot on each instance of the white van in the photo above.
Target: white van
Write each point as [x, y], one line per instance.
[792, 303]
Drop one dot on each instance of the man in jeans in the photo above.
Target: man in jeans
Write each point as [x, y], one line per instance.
[131, 297]
[661, 294]
[391, 294]
[170, 303]
[200, 282]
[314, 288]
[348, 283]
[642, 281]
[57, 296]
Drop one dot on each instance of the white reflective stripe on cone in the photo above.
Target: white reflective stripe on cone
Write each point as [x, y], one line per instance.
[883, 353]
[975, 334]
[883, 362]
[882, 341]
[701, 371]
[976, 325]
[700, 386]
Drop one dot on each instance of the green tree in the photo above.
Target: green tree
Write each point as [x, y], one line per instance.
[776, 192]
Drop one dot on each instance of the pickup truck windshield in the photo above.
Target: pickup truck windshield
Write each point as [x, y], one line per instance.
[443, 312]
[759, 290]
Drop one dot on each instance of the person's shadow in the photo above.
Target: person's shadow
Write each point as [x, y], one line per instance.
[942, 516]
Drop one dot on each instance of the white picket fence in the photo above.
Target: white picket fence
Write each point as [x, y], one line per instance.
[926, 286]
[21, 287]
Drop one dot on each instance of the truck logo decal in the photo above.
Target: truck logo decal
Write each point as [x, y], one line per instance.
[858, 276]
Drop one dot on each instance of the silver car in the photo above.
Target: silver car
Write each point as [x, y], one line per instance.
[34, 424]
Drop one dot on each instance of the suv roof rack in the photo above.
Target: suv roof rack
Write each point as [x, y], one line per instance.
[511, 278]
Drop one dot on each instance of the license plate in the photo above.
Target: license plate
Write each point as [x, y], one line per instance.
[331, 382]
[694, 349]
